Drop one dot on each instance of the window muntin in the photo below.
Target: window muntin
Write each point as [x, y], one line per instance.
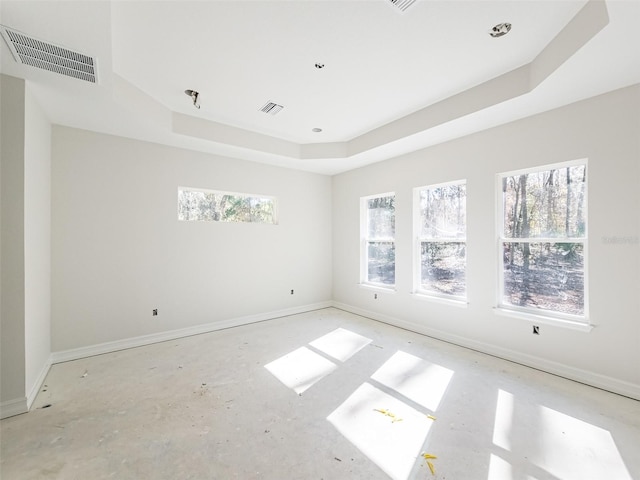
[378, 240]
[542, 244]
[441, 219]
[216, 206]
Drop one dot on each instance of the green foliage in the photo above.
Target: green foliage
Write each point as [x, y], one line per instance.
[198, 205]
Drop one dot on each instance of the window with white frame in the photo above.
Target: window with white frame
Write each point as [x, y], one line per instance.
[378, 252]
[542, 241]
[196, 204]
[440, 213]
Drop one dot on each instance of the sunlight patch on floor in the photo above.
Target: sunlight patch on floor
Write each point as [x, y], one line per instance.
[341, 344]
[577, 449]
[392, 444]
[557, 443]
[300, 369]
[423, 382]
[503, 421]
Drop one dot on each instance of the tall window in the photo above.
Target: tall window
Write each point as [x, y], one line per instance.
[543, 232]
[441, 231]
[378, 231]
[210, 205]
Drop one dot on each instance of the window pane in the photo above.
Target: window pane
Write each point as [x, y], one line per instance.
[205, 205]
[444, 211]
[381, 217]
[549, 203]
[381, 263]
[545, 276]
[443, 267]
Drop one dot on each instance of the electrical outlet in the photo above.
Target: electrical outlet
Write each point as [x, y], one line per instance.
[155, 312]
[536, 330]
[292, 291]
[375, 296]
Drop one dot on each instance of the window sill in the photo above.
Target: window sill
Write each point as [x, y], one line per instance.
[544, 320]
[455, 302]
[377, 288]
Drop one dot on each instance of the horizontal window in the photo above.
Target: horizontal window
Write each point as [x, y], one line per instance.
[215, 206]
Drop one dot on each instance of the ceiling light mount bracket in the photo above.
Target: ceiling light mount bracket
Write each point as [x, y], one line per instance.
[194, 97]
[500, 30]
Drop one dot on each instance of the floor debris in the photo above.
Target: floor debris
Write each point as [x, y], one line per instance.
[428, 457]
[387, 413]
[337, 459]
[431, 417]
[84, 375]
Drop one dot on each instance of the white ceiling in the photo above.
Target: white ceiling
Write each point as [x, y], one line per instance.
[392, 81]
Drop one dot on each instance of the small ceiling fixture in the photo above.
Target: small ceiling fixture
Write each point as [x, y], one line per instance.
[319, 65]
[28, 50]
[402, 4]
[316, 130]
[194, 97]
[500, 30]
[271, 108]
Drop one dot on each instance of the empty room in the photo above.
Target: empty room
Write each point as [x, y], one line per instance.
[316, 239]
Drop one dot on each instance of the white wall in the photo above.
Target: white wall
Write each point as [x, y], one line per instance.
[37, 244]
[12, 367]
[25, 250]
[118, 250]
[606, 130]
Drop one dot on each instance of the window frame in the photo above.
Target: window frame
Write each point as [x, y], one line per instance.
[544, 316]
[418, 239]
[273, 199]
[365, 240]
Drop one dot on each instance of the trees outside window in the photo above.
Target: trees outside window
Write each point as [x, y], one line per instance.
[441, 230]
[210, 205]
[378, 252]
[543, 240]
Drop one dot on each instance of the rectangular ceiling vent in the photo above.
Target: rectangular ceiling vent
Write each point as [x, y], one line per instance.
[47, 56]
[271, 108]
[403, 4]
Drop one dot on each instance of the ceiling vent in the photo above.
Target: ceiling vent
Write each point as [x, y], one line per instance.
[36, 53]
[403, 4]
[271, 108]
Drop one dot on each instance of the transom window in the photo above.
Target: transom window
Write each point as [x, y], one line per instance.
[378, 229]
[441, 234]
[196, 204]
[542, 240]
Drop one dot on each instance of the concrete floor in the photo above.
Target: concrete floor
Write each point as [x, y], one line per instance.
[322, 395]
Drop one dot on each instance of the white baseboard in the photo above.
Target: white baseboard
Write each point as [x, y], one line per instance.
[13, 407]
[604, 382]
[35, 388]
[108, 347]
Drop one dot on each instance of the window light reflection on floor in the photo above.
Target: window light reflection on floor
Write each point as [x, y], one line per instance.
[392, 444]
[423, 382]
[504, 417]
[341, 344]
[300, 369]
[500, 469]
[559, 444]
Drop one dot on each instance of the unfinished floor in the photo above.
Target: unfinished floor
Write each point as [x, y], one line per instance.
[321, 395]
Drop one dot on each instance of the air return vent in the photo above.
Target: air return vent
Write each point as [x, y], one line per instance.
[402, 4]
[36, 53]
[271, 108]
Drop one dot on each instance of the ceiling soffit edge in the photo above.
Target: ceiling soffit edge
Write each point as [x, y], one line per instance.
[585, 25]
